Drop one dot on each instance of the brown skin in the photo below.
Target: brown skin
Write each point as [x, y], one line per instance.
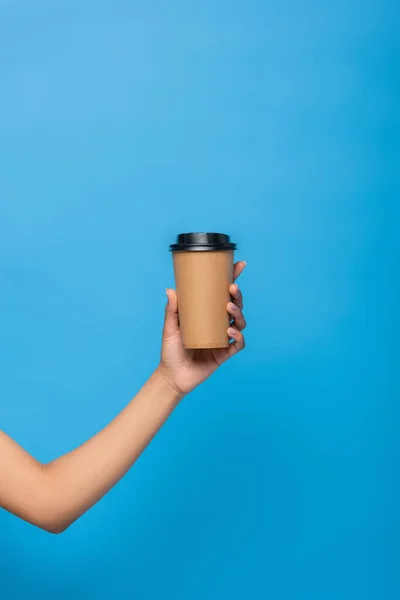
[54, 495]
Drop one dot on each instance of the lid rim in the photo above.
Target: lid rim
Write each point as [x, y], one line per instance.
[200, 248]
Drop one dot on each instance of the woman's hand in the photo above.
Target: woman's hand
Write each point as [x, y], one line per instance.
[185, 369]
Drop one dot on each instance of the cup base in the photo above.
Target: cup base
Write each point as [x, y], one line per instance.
[207, 346]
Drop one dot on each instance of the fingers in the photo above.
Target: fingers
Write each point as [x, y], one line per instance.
[236, 294]
[238, 342]
[171, 322]
[221, 355]
[238, 268]
[239, 321]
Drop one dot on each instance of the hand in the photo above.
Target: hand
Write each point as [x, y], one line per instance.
[184, 368]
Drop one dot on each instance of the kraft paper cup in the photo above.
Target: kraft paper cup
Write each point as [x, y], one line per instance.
[203, 267]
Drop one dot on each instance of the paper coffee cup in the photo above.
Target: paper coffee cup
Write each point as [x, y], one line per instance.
[203, 267]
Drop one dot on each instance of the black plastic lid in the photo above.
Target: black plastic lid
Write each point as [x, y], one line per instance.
[189, 242]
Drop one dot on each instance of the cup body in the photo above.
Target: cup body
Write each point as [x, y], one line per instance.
[202, 283]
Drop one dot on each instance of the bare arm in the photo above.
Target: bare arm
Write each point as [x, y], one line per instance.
[54, 495]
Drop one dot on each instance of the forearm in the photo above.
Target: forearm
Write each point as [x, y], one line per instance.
[83, 476]
[52, 496]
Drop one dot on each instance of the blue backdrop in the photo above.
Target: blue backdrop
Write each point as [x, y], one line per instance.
[122, 124]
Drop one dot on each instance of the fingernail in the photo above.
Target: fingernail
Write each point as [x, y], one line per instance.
[233, 306]
[232, 332]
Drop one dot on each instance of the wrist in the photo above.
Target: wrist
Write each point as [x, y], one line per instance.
[161, 374]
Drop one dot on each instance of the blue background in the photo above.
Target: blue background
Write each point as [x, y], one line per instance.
[122, 124]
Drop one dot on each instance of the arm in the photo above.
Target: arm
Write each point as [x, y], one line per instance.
[54, 495]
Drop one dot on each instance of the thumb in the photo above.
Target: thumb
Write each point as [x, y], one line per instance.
[171, 322]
